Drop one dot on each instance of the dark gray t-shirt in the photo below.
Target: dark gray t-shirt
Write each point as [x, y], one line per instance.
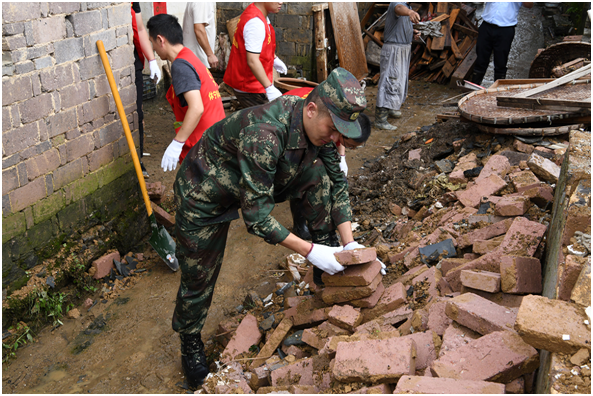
[398, 29]
[185, 78]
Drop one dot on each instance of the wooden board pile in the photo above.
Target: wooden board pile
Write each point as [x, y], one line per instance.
[450, 57]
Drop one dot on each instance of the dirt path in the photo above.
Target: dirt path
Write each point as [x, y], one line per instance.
[134, 349]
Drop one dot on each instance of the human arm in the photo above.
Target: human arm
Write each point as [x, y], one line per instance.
[146, 48]
[402, 10]
[257, 69]
[202, 37]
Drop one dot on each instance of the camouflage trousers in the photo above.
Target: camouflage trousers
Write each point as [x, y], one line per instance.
[200, 249]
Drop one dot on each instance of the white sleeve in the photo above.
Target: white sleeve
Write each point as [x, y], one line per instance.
[254, 34]
[200, 12]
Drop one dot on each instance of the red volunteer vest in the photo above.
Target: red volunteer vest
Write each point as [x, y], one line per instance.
[238, 75]
[213, 110]
[300, 92]
[136, 37]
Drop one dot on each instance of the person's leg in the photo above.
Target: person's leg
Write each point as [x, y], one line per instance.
[200, 251]
[502, 48]
[299, 223]
[251, 99]
[387, 87]
[404, 56]
[484, 47]
[139, 91]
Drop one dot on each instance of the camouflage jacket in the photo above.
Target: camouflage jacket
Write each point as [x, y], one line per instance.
[252, 160]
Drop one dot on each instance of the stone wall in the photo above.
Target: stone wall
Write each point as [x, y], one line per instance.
[65, 160]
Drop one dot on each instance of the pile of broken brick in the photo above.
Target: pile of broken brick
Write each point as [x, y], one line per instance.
[466, 317]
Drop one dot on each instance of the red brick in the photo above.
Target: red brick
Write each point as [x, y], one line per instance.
[479, 314]
[272, 343]
[500, 357]
[581, 293]
[483, 247]
[524, 180]
[521, 275]
[294, 351]
[247, 334]
[470, 257]
[395, 209]
[329, 330]
[380, 389]
[394, 258]
[259, 377]
[472, 195]
[485, 233]
[507, 300]
[496, 165]
[512, 206]
[370, 301]
[386, 321]
[456, 336]
[354, 275]
[299, 372]
[539, 195]
[414, 154]
[162, 216]
[522, 147]
[303, 389]
[438, 321]
[543, 322]
[345, 316]
[444, 386]
[104, 264]
[308, 279]
[290, 302]
[393, 297]
[429, 277]
[226, 328]
[450, 263]
[333, 295]
[311, 317]
[544, 168]
[313, 338]
[426, 351]
[516, 386]
[356, 256]
[374, 360]
[481, 280]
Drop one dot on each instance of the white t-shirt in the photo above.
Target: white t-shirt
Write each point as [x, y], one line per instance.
[254, 33]
[199, 13]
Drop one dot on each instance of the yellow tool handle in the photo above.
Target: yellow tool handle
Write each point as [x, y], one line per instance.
[124, 122]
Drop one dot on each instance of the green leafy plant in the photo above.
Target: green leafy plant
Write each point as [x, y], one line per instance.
[21, 335]
[49, 306]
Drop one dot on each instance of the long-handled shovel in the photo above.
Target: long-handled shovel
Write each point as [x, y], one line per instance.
[160, 239]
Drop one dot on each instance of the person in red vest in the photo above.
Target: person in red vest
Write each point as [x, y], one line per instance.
[253, 60]
[142, 50]
[299, 223]
[193, 95]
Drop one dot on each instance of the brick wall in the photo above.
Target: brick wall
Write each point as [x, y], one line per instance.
[62, 141]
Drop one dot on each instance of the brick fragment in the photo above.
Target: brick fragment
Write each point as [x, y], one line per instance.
[226, 328]
[496, 165]
[504, 299]
[472, 196]
[438, 321]
[162, 216]
[370, 301]
[485, 233]
[524, 180]
[394, 258]
[544, 168]
[581, 293]
[312, 337]
[500, 357]
[104, 264]
[374, 360]
[479, 314]
[426, 351]
[512, 206]
[333, 295]
[486, 246]
[247, 334]
[354, 275]
[516, 386]
[294, 351]
[345, 316]
[395, 209]
[455, 336]
[431, 277]
[259, 377]
[427, 385]
[450, 263]
[540, 196]
[393, 297]
[521, 275]
[73, 313]
[522, 147]
[481, 280]
[380, 389]
[545, 323]
[356, 256]
[277, 336]
[300, 372]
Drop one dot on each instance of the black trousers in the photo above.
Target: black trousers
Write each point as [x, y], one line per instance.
[138, 66]
[493, 38]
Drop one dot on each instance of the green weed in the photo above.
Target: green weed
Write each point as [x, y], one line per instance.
[21, 335]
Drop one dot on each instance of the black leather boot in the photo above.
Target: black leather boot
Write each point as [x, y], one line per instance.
[299, 223]
[330, 240]
[193, 360]
[499, 76]
[477, 78]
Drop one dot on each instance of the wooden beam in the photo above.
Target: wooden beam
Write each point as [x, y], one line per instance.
[372, 37]
[465, 68]
[320, 45]
[367, 16]
[583, 71]
[448, 68]
[438, 43]
[455, 50]
[545, 104]
[467, 21]
[437, 65]
[465, 30]
[442, 7]
[453, 16]
[440, 18]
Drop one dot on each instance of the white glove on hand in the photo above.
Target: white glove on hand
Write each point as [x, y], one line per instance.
[355, 245]
[323, 258]
[343, 165]
[272, 92]
[171, 156]
[155, 71]
[280, 66]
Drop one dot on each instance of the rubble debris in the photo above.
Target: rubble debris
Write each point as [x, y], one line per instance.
[427, 385]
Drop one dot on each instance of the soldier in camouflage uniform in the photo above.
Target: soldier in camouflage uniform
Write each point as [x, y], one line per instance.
[252, 160]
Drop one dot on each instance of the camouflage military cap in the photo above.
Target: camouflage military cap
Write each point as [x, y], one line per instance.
[344, 97]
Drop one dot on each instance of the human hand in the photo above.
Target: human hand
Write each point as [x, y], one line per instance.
[414, 17]
[343, 165]
[355, 245]
[280, 66]
[272, 92]
[213, 61]
[323, 258]
[416, 35]
[171, 156]
[155, 71]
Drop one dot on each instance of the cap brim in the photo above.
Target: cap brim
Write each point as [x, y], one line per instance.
[350, 129]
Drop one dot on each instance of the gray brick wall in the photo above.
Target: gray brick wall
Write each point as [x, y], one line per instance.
[60, 133]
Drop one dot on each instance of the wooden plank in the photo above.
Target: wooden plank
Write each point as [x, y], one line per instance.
[367, 16]
[438, 43]
[442, 7]
[444, 54]
[320, 50]
[583, 71]
[465, 30]
[373, 37]
[346, 26]
[440, 18]
[545, 104]
[430, 8]
[449, 68]
[467, 10]
[455, 50]
[465, 68]
[447, 34]
[465, 45]
[453, 16]
[467, 21]
[437, 65]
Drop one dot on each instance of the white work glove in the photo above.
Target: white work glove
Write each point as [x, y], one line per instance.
[343, 165]
[171, 156]
[323, 258]
[155, 71]
[280, 66]
[272, 92]
[355, 245]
